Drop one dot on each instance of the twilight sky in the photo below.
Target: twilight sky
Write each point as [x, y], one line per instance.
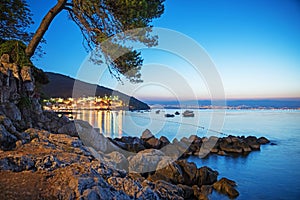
[254, 44]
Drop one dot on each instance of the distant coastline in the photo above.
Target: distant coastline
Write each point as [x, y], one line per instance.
[249, 104]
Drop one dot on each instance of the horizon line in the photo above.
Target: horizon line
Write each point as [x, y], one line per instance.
[226, 99]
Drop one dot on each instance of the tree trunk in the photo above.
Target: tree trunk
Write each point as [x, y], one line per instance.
[36, 39]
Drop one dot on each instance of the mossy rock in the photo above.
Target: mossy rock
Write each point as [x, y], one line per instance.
[16, 50]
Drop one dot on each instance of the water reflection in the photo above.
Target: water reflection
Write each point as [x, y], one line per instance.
[110, 123]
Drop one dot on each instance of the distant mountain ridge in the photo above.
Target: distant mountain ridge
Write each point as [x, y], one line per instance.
[62, 86]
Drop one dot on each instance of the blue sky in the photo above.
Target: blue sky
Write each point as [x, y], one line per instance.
[254, 44]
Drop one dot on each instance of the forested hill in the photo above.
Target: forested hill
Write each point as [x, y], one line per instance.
[62, 86]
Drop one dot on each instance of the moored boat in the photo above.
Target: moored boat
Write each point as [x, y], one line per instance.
[188, 113]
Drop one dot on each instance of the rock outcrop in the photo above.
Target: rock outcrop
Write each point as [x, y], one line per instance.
[226, 186]
[58, 166]
[193, 145]
[20, 108]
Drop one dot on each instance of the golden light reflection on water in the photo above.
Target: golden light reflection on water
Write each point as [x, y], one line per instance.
[108, 122]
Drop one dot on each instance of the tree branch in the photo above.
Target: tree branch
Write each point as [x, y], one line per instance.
[36, 39]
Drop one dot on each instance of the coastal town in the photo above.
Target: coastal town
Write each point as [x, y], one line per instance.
[84, 103]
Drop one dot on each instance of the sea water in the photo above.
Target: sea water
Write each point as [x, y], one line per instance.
[271, 173]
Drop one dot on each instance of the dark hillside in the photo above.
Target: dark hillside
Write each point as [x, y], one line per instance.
[62, 86]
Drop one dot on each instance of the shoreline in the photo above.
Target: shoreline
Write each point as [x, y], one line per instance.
[52, 155]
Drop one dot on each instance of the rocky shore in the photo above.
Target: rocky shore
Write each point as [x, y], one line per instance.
[194, 145]
[52, 166]
[43, 156]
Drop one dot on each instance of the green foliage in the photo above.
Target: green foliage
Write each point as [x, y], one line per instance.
[135, 13]
[16, 50]
[100, 20]
[129, 65]
[24, 102]
[40, 76]
[15, 18]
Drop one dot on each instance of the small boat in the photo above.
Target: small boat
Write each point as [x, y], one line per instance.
[177, 113]
[169, 115]
[157, 112]
[188, 113]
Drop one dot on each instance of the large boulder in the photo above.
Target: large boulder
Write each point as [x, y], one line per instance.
[152, 143]
[172, 151]
[168, 171]
[252, 142]
[206, 176]
[263, 140]
[163, 141]
[91, 138]
[145, 161]
[226, 186]
[189, 171]
[146, 134]
[69, 129]
[131, 144]
[118, 159]
[229, 147]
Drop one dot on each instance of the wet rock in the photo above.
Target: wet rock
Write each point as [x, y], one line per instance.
[252, 142]
[206, 176]
[152, 143]
[206, 189]
[202, 192]
[226, 186]
[188, 192]
[224, 146]
[163, 141]
[189, 171]
[222, 153]
[263, 140]
[168, 171]
[131, 144]
[245, 147]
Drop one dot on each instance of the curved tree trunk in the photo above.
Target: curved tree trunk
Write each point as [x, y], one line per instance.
[36, 39]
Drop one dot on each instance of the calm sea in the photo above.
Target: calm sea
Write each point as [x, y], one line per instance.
[271, 173]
